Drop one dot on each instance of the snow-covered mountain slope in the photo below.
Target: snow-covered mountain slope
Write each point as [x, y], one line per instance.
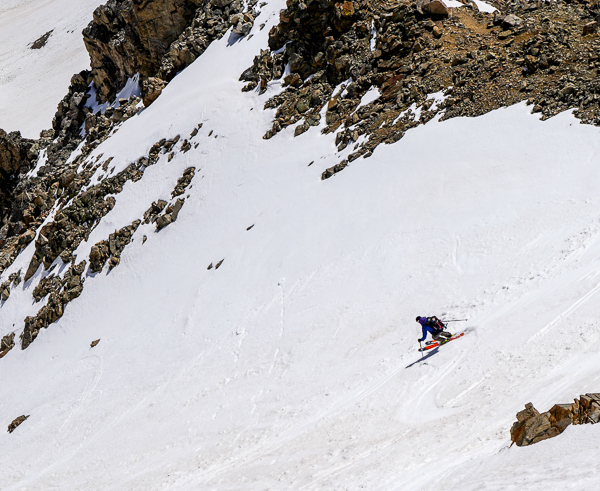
[294, 365]
[33, 81]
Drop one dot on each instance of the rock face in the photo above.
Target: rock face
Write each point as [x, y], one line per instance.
[70, 113]
[60, 292]
[17, 212]
[131, 36]
[156, 38]
[532, 427]
[15, 153]
[110, 250]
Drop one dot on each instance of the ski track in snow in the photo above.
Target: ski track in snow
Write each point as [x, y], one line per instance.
[295, 365]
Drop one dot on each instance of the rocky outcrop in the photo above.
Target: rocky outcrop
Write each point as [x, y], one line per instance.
[16, 154]
[17, 196]
[156, 39]
[110, 250]
[16, 422]
[47, 285]
[71, 112]
[210, 22]
[162, 213]
[170, 214]
[533, 427]
[539, 52]
[60, 293]
[6, 344]
[152, 88]
[13, 279]
[79, 211]
[129, 36]
[184, 181]
[41, 41]
[73, 224]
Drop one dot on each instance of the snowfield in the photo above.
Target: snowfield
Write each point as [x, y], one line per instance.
[33, 81]
[295, 364]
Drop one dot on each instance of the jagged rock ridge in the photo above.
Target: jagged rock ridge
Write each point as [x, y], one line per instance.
[532, 427]
[156, 38]
[545, 53]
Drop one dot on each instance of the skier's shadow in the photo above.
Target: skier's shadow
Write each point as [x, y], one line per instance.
[429, 355]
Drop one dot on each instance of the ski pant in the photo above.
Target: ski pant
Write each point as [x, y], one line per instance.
[441, 336]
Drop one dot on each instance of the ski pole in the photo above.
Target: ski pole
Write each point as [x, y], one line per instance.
[421, 350]
[457, 320]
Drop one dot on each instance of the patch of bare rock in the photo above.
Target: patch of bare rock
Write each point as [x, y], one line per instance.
[41, 41]
[17, 422]
[6, 344]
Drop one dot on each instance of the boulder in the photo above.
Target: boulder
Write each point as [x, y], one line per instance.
[436, 7]
[510, 21]
[16, 422]
[6, 344]
[152, 88]
[590, 28]
[432, 7]
[532, 427]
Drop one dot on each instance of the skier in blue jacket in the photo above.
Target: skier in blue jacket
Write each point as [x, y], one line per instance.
[434, 326]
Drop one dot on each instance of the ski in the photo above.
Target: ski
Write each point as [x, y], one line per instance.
[436, 344]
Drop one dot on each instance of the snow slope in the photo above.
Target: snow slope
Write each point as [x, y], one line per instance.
[33, 82]
[295, 364]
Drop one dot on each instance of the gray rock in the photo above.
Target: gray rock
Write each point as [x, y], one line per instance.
[511, 21]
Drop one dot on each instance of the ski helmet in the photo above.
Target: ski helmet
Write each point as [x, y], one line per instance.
[418, 317]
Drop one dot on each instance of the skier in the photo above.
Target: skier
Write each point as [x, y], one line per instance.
[435, 327]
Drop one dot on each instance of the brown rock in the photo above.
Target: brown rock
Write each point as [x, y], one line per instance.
[590, 28]
[16, 422]
[433, 7]
[152, 88]
[133, 36]
[13, 152]
[532, 427]
[561, 415]
[510, 21]
[41, 41]
[6, 344]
